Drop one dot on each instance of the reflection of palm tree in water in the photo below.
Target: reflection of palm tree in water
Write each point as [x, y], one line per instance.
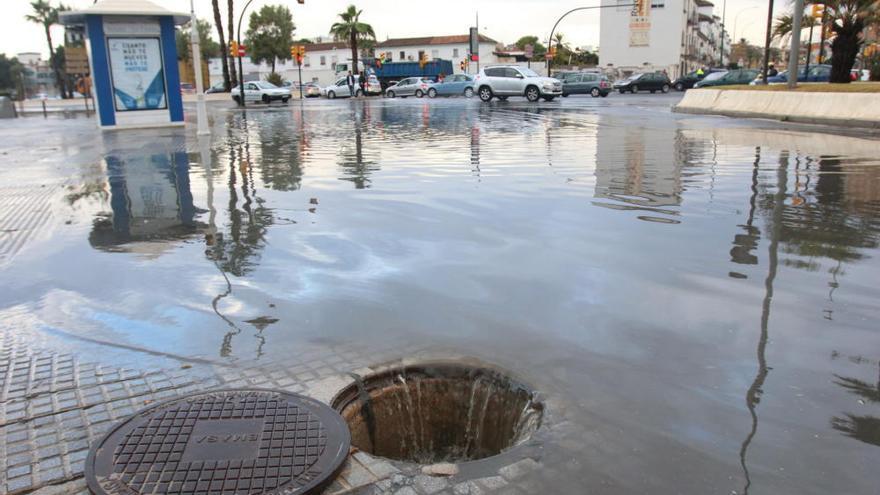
[865, 428]
[356, 169]
[753, 395]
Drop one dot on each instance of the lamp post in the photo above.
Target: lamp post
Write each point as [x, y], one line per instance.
[736, 19]
[767, 42]
[201, 111]
[723, 30]
[550, 39]
[795, 44]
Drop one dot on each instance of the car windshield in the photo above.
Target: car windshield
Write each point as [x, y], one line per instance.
[715, 76]
[265, 85]
[528, 72]
[634, 77]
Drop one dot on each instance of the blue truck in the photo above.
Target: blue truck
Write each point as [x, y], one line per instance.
[395, 71]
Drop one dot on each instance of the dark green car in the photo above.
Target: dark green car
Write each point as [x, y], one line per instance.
[738, 76]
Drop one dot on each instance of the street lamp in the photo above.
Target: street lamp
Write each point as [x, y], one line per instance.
[550, 42]
[736, 18]
[201, 111]
[238, 40]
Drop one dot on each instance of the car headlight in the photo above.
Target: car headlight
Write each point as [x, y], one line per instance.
[548, 86]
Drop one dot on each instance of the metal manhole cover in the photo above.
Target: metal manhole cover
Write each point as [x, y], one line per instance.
[225, 442]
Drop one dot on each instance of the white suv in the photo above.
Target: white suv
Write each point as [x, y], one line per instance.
[502, 81]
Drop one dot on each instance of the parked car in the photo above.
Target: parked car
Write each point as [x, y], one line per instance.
[818, 73]
[586, 83]
[187, 89]
[217, 88]
[647, 81]
[339, 89]
[454, 85]
[503, 81]
[411, 86]
[729, 78]
[263, 91]
[311, 90]
[687, 81]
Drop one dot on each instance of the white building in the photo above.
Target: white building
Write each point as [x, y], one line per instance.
[454, 48]
[676, 36]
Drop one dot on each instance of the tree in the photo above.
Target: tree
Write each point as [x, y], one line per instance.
[233, 79]
[538, 48]
[10, 70]
[784, 24]
[270, 34]
[848, 19]
[563, 49]
[209, 48]
[351, 29]
[47, 15]
[224, 60]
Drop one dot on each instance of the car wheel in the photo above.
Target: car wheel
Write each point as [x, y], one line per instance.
[331, 95]
[432, 93]
[532, 94]
[665, 88]
[634, 89]
[594, 92]
[679, 87]
[622, 91]
[468, 92]
[265, 99]
[390, 94]
[419, 93]
[285, 100]
[486, 93]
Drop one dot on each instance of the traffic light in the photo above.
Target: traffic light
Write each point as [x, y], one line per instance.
[233, 49]
[818, 10]
[297, 52]
[463, 65]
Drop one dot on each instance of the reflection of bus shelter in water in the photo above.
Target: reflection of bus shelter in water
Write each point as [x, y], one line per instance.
[151, 201]
[133, 62]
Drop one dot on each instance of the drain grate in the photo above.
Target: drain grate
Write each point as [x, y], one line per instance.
[225, 442]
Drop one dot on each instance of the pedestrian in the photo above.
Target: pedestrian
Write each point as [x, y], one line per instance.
[362, 82]
[700, 72]
[441, 77]
[349, 80]
[771, 71]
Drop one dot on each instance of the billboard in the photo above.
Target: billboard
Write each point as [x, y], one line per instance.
[640, 23]
[136, 70]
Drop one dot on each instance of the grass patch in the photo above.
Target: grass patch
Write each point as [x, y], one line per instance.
[853, 87]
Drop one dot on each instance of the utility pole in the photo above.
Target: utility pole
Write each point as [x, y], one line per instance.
[767, 41]
[478, 42]
[795, 44]
[723, 31]
[201, 111]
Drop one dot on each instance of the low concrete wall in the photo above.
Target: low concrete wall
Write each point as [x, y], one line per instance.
[845, 109]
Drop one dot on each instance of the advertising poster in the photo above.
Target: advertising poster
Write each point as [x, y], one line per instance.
[136, 69]
[640, 23]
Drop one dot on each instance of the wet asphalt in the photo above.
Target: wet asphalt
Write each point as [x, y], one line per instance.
[699, 294]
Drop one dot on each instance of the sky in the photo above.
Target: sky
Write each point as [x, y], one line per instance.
[503, 20]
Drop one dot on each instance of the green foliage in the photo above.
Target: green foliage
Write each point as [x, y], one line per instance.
[274, 78]
[207, 45]
[539, 48]
[352, 30]
[270, 35]
[46, 15]
[10, 69]
[873, 65]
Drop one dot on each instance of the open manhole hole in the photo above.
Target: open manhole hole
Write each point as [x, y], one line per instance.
[438, 413]
[224, 442]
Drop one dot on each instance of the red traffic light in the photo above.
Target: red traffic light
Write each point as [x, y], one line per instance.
[475, 57]
[241, 50]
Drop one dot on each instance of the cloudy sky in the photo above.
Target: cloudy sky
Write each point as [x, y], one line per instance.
[503, 20]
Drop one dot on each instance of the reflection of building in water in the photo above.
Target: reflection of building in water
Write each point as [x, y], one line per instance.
[641, 167]
[150, 199]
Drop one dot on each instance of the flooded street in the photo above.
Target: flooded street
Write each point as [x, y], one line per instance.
[695, 298]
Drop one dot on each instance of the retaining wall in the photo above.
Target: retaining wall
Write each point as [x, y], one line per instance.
[845, 109]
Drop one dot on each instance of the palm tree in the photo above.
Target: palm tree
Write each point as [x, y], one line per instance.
[47, 15]
[847, 20]
[218, 21]
[233, 79]
[560, 46]
[784, 24]
[352, 30]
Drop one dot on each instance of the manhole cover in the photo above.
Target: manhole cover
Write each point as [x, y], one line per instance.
[224, 442]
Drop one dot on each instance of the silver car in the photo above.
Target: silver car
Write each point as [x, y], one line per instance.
[502, 81]
[411, 86]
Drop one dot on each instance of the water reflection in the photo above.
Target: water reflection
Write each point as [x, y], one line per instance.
[150, 200]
